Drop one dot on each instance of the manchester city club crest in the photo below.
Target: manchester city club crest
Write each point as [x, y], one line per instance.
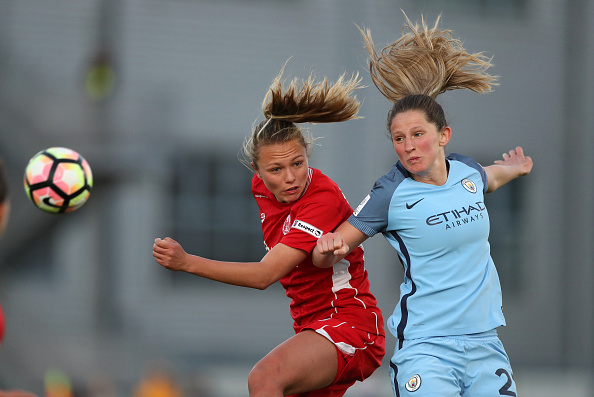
[413, 383]
[469, 185]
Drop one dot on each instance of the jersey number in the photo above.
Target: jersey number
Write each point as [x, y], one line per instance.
[504, 391]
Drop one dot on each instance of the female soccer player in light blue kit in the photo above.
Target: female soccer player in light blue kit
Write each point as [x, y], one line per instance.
[430, 207]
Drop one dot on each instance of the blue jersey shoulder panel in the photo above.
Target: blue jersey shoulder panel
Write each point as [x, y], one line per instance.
[372, 219]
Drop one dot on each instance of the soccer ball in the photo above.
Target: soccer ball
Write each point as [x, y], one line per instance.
[58, 180]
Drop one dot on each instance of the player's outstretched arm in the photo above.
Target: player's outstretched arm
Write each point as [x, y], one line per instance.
[334, 246]
[513, 165]
[260, 275]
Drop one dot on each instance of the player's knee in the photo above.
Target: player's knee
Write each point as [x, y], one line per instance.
[263, 380]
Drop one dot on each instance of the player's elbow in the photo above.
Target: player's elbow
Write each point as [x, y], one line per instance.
[264, 282]
[261, 286]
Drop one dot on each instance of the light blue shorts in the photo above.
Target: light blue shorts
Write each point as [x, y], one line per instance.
[469, 365]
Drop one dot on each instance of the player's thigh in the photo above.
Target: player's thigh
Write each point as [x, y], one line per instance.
[304, 362]
[489, 372]
[431, 367]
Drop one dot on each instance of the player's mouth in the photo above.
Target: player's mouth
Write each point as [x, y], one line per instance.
[291, 194]
[291, 191]
[413, 160]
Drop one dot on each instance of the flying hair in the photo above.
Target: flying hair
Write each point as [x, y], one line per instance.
[307, 101]
[311, 101]
[426, 61]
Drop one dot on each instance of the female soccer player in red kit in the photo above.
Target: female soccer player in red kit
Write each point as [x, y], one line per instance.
[339, 328]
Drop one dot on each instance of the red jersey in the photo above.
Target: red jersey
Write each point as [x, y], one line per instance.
[341, 291]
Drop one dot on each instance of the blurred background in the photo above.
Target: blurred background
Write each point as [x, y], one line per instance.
[158, 96]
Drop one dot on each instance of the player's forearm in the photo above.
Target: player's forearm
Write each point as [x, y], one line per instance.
[323, 260]
[243, 274]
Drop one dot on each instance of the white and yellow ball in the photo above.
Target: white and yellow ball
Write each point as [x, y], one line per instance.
[58, 180]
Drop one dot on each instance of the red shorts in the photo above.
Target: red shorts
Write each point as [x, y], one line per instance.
[359, 355]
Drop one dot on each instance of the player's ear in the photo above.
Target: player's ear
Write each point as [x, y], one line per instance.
[444, 136]
[256, 170]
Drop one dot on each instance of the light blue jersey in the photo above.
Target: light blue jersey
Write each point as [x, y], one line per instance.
[441, 235]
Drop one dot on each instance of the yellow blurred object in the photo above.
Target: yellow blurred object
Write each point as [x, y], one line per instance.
[100, 76]
[158, 382]
[57, 384]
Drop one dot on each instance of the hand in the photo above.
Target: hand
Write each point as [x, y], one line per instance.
[169, 254]
[516, 158]
[332, 243]
[16, 393]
